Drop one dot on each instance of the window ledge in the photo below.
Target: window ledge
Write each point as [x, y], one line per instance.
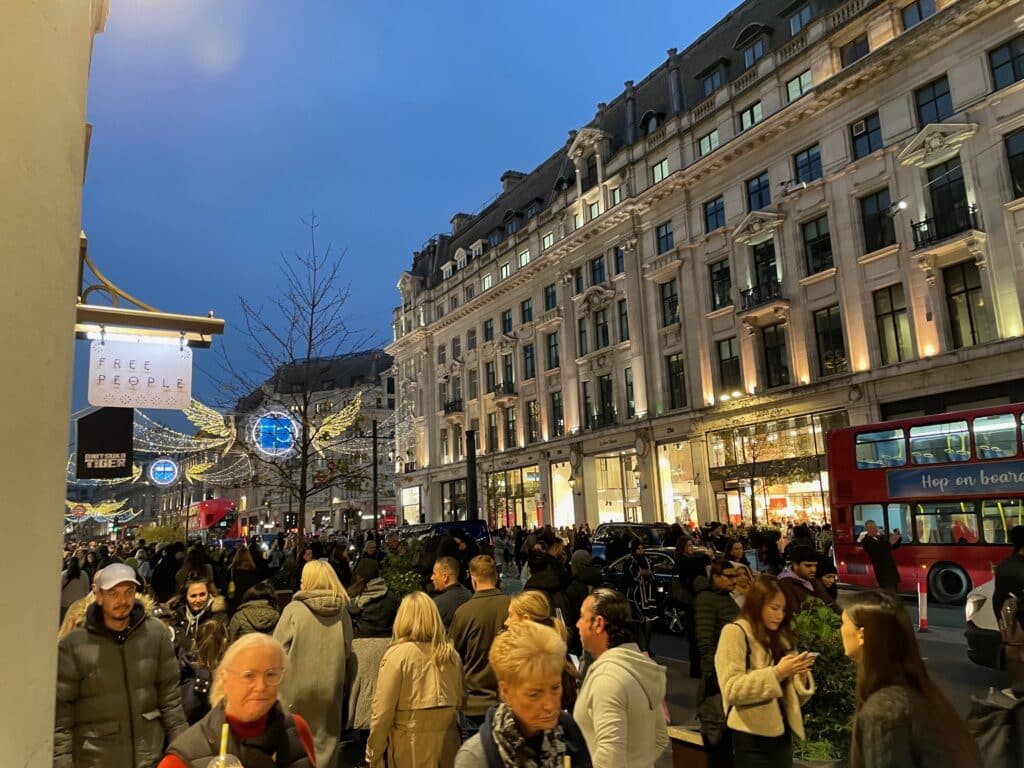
[714, 314]
[881, 253]
[819, 277]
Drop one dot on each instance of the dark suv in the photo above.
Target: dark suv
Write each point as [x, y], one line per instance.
[612, 540]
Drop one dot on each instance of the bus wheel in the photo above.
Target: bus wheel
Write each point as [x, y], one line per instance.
[948, 583]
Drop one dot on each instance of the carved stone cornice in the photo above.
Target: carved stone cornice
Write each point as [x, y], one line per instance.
[757, 227]
[936, 143]
[664, 266]
[595, 298]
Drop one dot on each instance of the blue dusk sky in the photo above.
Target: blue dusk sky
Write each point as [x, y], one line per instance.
[219, 124]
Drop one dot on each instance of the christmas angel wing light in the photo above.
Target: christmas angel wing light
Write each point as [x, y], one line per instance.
[212, 423]
[333, 426]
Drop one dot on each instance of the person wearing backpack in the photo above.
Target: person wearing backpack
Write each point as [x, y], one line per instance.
[1009, 593]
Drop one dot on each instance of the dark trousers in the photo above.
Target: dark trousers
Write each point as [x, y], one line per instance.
[752, 751]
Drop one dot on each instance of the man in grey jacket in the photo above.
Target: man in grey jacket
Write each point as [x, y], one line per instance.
[619, 709]
[118, 701]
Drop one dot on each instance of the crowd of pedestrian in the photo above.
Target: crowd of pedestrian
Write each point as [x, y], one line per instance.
[161, 647]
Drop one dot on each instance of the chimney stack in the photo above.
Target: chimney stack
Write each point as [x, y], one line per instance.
[510, 179]
[460, 220]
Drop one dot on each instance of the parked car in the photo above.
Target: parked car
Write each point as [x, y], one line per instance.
[612, 540]
[984, 643]
[663, 567]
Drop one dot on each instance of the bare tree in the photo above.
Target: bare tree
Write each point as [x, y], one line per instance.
[292, 340]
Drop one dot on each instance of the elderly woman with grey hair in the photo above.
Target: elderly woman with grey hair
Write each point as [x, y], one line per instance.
[245, 697]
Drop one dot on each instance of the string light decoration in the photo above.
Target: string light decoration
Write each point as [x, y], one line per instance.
[238, 471]
[101, 509]
[153, 437]
[334, 425]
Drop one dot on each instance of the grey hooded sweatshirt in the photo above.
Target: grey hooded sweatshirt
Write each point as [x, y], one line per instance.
[619, 709]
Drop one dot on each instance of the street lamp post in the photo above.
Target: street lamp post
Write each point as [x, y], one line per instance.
[375, 506]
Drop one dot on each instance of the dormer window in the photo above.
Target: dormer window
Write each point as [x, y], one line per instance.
[650, 123]
[712, 78]
[446, 271]
[532, 210]
[753, 41]
[512, 226]
[799, 19]
[755, 51]
[460, 263]
[494, 238]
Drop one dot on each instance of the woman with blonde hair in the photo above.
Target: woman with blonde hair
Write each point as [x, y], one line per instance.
[315, 628]
[419, 688]
[245, 696]
[528, 727]
[533, 605]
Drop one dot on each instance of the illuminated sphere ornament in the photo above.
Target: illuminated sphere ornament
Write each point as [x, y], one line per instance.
[274, 434]
[163, 471]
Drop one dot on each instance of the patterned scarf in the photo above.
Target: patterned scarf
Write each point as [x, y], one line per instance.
[514, 750]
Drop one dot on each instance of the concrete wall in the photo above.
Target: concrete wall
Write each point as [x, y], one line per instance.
[46, 45]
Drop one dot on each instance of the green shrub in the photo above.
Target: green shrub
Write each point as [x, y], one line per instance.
[828, 716]
[401, 571]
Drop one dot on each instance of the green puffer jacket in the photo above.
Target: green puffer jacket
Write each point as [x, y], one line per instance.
[117, 694]
[253, 616]
[713, 609]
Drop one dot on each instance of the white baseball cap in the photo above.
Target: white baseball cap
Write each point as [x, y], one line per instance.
[114, 574]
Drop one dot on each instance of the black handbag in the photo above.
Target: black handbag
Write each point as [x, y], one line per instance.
[711, 713]
[711, 708]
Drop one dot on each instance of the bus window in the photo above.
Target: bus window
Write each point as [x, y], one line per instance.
[998, 516]
[947, 522]
[899, 518]
[880, 449]
[995, 436]
[934, 443]
[862, 513]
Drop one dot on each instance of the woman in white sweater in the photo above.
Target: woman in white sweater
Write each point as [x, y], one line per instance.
[764, 683]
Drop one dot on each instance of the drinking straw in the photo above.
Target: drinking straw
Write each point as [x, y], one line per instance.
[225, 729]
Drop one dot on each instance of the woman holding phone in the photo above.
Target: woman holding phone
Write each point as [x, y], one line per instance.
[764, 682]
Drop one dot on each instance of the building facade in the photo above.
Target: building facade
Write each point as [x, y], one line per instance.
[265, 506]
[812, 217]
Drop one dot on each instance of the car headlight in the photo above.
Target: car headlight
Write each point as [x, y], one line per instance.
[974, 604]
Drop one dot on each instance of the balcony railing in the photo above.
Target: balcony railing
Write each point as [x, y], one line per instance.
[504, 388]
[765, 293]
[410, 466]
[453, 406]
[945, 224]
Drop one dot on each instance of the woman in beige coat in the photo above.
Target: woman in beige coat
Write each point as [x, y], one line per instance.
[419, 687]
[764, 684]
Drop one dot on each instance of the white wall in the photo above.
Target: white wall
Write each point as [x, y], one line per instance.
[47, 44]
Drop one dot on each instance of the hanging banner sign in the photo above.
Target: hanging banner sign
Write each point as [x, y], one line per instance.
[104, 444]
[128, 374]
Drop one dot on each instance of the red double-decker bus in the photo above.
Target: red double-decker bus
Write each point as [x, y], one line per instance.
[952, 484]
[214, 517]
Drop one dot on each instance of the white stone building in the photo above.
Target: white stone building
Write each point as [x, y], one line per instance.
[811, 217]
